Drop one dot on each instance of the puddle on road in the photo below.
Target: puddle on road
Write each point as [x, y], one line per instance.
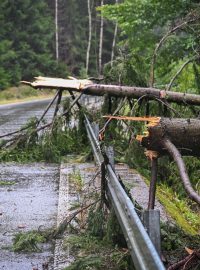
[28, 204]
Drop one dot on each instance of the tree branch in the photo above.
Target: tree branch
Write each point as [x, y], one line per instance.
[180, 70]
[161, 42]
[173, 151]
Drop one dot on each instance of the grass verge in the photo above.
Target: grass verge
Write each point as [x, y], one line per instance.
[23, 93]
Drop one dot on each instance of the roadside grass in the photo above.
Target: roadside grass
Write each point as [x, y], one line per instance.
[23, 93]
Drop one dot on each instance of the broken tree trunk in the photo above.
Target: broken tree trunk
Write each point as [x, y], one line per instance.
[170, 136]
[89, 88]
[183, 133]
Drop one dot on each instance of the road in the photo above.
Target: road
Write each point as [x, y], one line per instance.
[30, 196]
[31, 201]
[13, 116]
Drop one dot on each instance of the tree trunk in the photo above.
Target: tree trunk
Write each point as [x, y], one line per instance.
[101, 41]
[56, 29]
[90, 35]
[183, 133]
[114, 39]
[138, 92]
[90, 88]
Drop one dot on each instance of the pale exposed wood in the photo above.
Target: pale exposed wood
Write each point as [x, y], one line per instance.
[45, 82]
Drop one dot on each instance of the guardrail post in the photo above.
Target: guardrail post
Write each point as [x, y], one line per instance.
[151, 221]
[151, 217]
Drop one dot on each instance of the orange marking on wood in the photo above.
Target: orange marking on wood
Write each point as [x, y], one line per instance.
[133, 118]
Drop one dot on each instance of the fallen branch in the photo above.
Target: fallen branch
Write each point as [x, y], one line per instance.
[115, 112]
[173, 151]
[48, 107]
[62, 227]
[192, 258]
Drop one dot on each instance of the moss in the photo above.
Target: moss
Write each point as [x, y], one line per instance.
[179, 210]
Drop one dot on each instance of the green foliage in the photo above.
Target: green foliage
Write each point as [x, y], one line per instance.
[179, 209]
[27, 242]
[7, 183]
[114, 234]
[49, 146]
[143, 24]
[89, 262]
[97, 254]
[77, 180]
[25, 47]
[96, 222]
[175, 239]
[98, 246]
[127, 69]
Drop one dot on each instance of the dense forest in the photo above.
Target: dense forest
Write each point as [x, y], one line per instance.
[51, 38]
[153, 45]
[62, 37]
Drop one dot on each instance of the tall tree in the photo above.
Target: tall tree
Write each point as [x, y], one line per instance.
[56, 29]
[101, 40]
[144, 23]
[89, 35]
[26, 33]
[114, 39]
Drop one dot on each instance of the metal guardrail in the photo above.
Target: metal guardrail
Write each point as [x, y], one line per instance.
[143, 252]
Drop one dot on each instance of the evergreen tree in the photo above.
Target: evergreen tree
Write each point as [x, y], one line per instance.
[26, 36]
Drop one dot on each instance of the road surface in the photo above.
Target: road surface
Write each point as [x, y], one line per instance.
[14, 116]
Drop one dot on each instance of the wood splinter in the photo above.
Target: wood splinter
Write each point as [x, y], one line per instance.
[175, 137]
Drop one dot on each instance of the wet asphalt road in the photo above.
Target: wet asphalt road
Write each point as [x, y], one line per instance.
[31, 201]
[13, 116]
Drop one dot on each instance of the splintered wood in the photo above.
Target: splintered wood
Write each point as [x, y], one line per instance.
[55, 83]
[151, 122]
[184, 133]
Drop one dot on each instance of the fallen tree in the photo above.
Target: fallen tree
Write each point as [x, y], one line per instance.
[174, 137]
[90, 88]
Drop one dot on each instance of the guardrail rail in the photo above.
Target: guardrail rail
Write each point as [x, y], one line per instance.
[142, 250]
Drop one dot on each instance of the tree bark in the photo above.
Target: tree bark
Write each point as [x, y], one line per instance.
[56, 29]
[90, 36]
[183, 133]
[137, 92]
[101, 41]
[114, 39]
